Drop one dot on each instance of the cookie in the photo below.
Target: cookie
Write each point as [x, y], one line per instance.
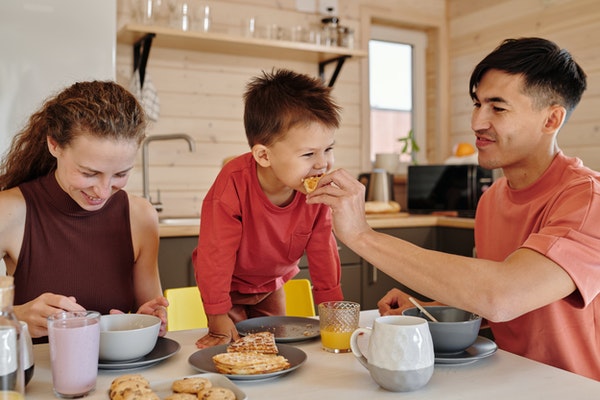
[128, 377]
[191, 385]
[141, 394]
[123, 389]
[182, 396]
[216, 393]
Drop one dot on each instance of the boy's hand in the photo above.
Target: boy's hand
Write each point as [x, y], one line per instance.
[221, 330]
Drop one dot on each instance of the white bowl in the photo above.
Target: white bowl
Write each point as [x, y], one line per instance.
[127, 336]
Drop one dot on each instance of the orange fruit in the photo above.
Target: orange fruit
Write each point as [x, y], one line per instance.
[463, 149]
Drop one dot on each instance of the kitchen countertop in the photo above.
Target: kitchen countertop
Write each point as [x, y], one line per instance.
[340, 376]
[191, 226]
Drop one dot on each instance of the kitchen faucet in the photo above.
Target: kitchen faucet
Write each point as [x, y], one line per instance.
[145, 163]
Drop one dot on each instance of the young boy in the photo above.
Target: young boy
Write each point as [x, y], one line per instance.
[255, 223]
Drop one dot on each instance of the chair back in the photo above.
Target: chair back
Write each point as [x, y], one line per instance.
[185, 309]
[298, 298]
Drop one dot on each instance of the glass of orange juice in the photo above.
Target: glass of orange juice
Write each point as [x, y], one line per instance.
[337, 321]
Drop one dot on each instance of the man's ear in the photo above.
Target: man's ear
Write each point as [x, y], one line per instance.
[261, 154]
[555, 119]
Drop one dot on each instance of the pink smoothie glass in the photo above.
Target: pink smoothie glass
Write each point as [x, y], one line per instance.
[74, 339]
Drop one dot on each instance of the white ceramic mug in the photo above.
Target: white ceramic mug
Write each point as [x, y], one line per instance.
[400, 354]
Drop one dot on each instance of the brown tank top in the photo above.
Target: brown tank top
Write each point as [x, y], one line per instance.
[70, 251]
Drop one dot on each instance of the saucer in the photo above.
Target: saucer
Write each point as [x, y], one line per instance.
[482, 348]
[163, 349]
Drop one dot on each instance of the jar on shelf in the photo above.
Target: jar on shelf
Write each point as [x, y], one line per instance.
[329, 36]
[346, 37]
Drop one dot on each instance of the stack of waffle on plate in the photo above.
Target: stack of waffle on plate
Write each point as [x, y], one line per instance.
[252, 354]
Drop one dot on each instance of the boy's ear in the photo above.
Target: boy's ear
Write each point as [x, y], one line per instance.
[261, 155]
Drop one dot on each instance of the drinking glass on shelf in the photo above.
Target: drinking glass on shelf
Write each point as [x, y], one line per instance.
[182, 14]
[145, 11]
[298, 33]
[206, 19]
[249, 27]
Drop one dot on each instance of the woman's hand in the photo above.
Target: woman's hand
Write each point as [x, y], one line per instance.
[156, 307]
[36, 312]
[221, 330]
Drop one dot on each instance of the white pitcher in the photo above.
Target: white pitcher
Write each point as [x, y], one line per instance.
[400, 355]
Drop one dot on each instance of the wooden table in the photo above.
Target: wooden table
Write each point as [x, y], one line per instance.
[327, 376]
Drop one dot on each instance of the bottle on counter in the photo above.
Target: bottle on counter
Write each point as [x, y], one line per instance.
[12, 377]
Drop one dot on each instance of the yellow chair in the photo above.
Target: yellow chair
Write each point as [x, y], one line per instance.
[298, 298]
[185, 309]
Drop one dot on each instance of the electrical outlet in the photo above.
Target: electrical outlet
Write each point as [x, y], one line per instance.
[324, 5]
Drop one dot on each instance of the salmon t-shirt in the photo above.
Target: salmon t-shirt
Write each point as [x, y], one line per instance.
[559, 217]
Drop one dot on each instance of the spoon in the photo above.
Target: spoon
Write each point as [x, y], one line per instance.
[422, 309]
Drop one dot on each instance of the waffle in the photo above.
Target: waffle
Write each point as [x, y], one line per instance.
[249, 363]
[310, 183]
[259, 342]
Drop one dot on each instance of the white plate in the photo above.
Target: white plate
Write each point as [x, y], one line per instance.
[163, 349]
[286, 329]
[163, 388]
[202, 361]
[482, 348]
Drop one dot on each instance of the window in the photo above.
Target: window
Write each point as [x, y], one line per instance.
[396, 89]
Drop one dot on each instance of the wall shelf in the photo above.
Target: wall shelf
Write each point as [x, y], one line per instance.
[216, 42]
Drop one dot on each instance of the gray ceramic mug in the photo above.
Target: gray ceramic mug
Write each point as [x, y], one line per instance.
[400, 354]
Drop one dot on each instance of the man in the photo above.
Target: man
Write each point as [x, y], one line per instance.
[537, 233]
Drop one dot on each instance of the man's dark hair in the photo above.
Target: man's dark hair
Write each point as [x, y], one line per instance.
[550, 74]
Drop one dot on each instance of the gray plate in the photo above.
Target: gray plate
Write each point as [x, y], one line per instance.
[482, 348]
[163, 349]
[286, 329]
[202, 361]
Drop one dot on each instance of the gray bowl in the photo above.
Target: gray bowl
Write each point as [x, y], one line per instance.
[456, 330]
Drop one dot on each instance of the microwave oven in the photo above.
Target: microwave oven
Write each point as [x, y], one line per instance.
[446, 188]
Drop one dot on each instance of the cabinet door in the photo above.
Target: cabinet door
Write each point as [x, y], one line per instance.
[351, 281]
[351, 272]
[375, 284]
[175, 261]
[459, 241]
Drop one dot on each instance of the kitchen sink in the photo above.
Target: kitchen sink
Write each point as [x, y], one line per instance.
[195, 221]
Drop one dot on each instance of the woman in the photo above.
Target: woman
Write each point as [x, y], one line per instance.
[69, 234]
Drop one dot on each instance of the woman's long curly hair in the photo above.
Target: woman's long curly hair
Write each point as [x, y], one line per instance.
[102, 109]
